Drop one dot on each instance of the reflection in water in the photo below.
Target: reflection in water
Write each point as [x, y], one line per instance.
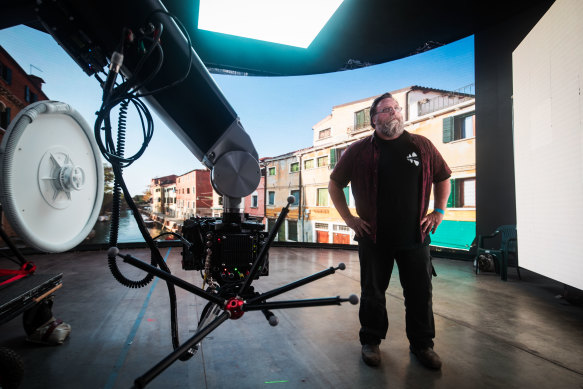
[128, 230]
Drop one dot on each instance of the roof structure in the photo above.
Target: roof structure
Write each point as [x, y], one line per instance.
[360, 32]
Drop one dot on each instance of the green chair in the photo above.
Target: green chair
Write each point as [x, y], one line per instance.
[508, 248]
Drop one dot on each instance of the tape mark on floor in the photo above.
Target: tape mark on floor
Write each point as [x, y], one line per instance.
[130, 339]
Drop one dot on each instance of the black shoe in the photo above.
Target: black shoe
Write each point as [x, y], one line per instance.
[371, 354]
[427, 357]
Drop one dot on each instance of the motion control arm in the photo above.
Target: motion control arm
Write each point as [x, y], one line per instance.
[194, 109]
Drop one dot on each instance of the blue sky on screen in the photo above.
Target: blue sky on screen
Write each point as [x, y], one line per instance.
[277, 112]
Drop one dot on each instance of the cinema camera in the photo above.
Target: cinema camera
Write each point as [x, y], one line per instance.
[145, 53]
[223, 248]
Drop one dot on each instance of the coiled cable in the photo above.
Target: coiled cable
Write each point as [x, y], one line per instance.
[116, 208]
[113, 152]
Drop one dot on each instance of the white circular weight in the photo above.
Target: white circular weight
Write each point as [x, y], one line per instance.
[236, 174]
[51, 176]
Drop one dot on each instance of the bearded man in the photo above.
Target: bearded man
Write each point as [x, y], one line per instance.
[392, 173]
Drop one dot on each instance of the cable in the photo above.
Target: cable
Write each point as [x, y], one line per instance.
[157, 259]
[114, 152]
[185, 33]
[116, 208]
[102, 123]
[10, 258]
[180, 237]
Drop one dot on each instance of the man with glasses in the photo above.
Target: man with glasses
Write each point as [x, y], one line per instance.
[392, 173]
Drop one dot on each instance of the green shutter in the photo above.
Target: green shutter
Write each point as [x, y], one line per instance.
[332, 158]
[452, 200]
[296, 194]
[448, 129]
[281, 233]
[347, 195]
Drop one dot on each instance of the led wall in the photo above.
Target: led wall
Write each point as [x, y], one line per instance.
[548, 143]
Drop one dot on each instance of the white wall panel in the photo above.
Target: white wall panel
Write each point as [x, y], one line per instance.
[548, 144]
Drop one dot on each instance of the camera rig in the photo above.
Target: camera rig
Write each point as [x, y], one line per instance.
[230, 251]
[230, 298]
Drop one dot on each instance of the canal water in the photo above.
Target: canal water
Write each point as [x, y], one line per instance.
[128, 230]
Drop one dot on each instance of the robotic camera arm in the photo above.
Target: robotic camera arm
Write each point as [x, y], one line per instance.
[194, 109]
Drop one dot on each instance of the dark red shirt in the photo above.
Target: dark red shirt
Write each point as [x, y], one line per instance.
[359, 166]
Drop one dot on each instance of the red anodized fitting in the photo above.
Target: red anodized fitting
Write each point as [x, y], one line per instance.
[235, 308]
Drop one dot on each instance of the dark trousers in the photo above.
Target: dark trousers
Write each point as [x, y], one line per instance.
[415, 272]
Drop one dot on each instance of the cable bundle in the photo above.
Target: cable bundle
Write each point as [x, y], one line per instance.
[123, 95]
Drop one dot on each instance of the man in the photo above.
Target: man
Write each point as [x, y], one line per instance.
[392, 172]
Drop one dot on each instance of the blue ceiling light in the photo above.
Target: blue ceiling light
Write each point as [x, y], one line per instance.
[293, 23]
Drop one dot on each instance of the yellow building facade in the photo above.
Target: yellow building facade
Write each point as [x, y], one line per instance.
[445, 117]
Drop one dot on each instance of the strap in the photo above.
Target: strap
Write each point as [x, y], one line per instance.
[25, 270]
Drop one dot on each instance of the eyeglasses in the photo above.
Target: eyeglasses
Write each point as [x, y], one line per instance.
[390, 110]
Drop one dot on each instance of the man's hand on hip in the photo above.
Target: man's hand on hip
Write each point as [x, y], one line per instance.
[430, 222]
[360, 227]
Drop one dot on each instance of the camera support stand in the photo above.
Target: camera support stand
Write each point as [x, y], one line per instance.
[234, 307]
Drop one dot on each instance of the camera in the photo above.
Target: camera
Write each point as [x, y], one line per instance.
[225, 248]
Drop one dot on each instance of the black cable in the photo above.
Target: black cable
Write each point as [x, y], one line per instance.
[116, 209]
[102, 123]
[123, 92]
[157, 259]
[4, 236]
[180, 237]
[10, 258]
[133, 85]
[101, 82]
[185, 32]
[113, 152]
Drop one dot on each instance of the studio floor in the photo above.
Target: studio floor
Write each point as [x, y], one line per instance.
[490, 334]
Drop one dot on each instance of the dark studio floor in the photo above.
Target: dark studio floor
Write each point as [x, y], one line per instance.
[490, 334]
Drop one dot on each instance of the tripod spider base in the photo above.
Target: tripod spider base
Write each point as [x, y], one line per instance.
[232, 308]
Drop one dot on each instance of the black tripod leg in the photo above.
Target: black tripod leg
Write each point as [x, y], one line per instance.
[172, 279]
[209, 313]
[353, 299]
[271, 318]
[173, 356]
[296, 284]
[12, 246]
[264, 249]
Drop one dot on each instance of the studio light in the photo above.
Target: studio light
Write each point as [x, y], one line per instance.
[293, 23]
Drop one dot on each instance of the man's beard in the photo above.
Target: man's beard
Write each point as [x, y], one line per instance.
[392, 128]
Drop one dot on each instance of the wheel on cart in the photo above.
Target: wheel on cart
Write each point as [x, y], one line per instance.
[11, 369]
